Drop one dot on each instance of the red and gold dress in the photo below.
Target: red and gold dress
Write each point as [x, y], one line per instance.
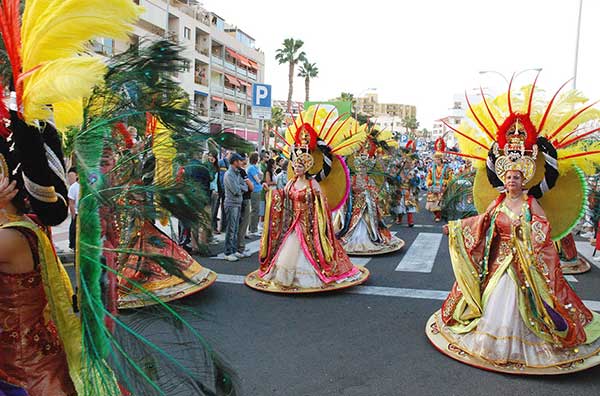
[299, 249]
[510, 305]
[366, 232]
[32, 356]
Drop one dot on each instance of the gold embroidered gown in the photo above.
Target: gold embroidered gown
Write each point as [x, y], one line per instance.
[510, 303]
[299, 247]
[32, 356]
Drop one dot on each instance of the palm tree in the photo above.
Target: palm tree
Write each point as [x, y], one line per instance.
[290, 53]
[308, 70]
[276, 122]
[349, 97]
[410, 123]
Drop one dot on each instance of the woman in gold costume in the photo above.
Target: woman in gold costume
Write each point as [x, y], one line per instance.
[511, 310]
[299, 250]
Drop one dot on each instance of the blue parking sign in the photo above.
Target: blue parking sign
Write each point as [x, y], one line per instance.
[261, 95]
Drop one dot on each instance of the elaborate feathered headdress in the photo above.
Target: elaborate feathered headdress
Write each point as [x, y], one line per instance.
[319, 137]
[508, 133]
[51, 72]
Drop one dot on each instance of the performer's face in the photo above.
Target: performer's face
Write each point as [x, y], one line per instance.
[513, 181]
[299, 169]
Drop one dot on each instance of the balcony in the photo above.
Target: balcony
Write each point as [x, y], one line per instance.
[202, 51]
[229, 116]
[229, 91]
[216, 60]
[217, 114]
[201, 81]
[240, 118]
[242, 72]
[252, 75]
[216, 88]
[230, 66]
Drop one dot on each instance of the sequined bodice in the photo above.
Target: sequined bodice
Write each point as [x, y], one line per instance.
[504, 222]
[300, 198]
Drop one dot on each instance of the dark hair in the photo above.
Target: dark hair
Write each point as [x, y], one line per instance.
[253, 158]
[270, 166]
[72, 170]
[215, 164]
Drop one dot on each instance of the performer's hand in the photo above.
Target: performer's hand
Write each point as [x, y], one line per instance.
[8, 191]
[445, 230]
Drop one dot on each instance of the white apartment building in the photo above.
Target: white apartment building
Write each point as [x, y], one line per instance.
[223, 61]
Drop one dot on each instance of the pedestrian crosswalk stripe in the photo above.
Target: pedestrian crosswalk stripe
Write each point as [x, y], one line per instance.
[400, 292]
[421, 254]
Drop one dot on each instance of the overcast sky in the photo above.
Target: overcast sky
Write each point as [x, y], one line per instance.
[422, 52]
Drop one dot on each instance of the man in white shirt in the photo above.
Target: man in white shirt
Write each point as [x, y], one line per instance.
[73, 204]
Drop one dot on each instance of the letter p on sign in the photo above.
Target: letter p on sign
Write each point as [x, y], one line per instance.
[261, 95]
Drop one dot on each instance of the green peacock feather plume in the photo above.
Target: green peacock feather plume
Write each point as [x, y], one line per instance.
[122, 350]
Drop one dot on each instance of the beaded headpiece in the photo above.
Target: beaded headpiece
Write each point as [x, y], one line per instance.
[514, 156]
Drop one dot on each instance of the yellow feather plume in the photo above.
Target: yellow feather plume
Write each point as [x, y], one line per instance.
[59, 82]
[61, 28]
[54, 33]
[587, 163]
[344, 136]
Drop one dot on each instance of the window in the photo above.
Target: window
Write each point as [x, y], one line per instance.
[103, 46]
[187, 33]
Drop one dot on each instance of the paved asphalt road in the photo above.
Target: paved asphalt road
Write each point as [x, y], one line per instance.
[372, 343]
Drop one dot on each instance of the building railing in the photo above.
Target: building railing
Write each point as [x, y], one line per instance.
[230, 65]
[252, 75]
[203, 51]
[229, 116]
[216, 60]
[229, 91]
[216, 88]
[201, 81]
[218, 114]
[242, 71]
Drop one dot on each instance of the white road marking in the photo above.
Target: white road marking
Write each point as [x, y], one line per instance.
[399, 292]
[423, 294]
[360, 261]
[421, 254]
[571, 278]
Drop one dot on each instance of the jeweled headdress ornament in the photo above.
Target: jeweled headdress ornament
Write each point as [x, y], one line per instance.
[547, 140]
[514, 156]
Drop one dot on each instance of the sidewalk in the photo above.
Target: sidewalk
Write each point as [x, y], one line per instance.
[60, 237]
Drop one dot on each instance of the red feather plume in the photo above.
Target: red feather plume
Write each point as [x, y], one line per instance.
[10, 27]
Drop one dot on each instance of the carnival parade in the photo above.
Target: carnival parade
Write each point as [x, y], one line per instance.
[169, 227]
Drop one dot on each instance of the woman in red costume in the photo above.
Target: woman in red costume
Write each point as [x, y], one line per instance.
[511, 310]
[299, 250]
[35, 292]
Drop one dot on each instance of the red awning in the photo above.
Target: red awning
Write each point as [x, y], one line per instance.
[253, 64]
[231, 106]
[232, 53]
[244, 61]
[232, 80]
[217, 99]
[247, 84]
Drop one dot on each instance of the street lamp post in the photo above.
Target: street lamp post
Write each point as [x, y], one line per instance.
[538, 69]
[577, 45]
